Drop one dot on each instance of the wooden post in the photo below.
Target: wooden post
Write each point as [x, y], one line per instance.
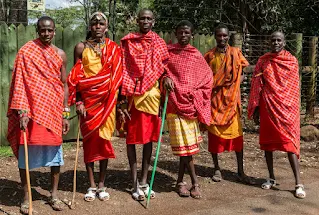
[311, 89]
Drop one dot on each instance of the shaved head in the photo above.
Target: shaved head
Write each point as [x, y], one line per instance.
[143, 11]
[278, 33]
[277, 41]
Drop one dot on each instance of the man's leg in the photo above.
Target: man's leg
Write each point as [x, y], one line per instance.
[25, 201]
[195, 192]
[217, 177]
[293, 160]
[103, 167]
[147, 153]
[54, 201]
[90, 172]
[240, 163]
[270, 166]
[181, 170]
[131, 154]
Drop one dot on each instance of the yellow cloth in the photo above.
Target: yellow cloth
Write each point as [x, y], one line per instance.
[91, 66]
[184, 135]
[149, 102]
[217, 61]
[91, 62]
[231, 131]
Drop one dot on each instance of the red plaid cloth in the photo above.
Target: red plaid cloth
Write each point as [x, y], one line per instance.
[193, 80]
[36, 87]
[99, 92]
[144, 58]
[276, 79]
[226, 90]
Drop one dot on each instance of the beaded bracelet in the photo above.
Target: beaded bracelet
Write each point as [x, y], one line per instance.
[23, 113]
[65, 115]
[66, 109]
[79, 103]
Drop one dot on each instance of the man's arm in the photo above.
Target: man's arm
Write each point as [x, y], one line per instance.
[66, 125]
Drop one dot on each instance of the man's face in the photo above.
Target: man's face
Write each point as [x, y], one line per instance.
[99, 26]
[277, 42]
[222, 37]
[46, 31]
[183, 35]
[145, 21]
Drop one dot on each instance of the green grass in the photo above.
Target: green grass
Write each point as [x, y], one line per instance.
[5, 151]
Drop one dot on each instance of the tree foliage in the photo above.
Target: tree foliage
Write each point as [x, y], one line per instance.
[13, 11]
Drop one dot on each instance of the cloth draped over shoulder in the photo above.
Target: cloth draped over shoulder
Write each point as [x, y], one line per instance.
[226, 89]
[98, 92]
[276, 82]
[36, 87]
[144, 58]
[193, 80]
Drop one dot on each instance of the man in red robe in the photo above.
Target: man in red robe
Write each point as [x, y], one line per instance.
[38, 94]
[93, 84]
[275, 101]
[144, 57]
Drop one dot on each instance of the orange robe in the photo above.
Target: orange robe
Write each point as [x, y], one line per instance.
[275, 90]
[97, 79]
[225, 131]
[36, 87]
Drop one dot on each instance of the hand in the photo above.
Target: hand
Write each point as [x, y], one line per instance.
[80, 109]
[168, 84]
[66, 126]
[24, 122]
[123, 114]
[256, 116]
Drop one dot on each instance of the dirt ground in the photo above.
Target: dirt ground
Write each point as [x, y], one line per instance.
[226, 197]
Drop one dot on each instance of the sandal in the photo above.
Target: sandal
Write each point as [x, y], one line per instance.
[195, 193]
[269, 184]
[138, 195]
[245, 179]
[90, 195]
[145, 188]
[24, 208]
[102, 194]
[182, 189]
[217, 177]
[56, 204]
[300, 191]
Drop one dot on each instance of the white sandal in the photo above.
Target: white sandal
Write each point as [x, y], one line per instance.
[90, 195]
[145, 188]
[300, 191]
[269, 184]
[138, 195]
[102, 194]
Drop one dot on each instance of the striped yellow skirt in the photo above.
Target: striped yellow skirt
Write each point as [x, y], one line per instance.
[184, 135]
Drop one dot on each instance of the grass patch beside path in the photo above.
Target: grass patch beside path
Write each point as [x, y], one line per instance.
[5, 151]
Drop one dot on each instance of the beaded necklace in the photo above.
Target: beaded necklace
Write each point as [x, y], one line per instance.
[96, 46]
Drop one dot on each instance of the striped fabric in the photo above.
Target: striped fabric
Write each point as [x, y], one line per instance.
[36, 87]
[144, 58]
[276, 81]
[226, 89]
[99, 92]
[184, 135]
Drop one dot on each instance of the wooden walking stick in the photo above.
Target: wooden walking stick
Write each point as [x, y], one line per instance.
[26, 157]
[72, 206]
[157, 150]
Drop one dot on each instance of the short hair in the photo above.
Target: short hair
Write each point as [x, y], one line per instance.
[143, 10]
[185, 23]
[44, 18]
[221, 26]
[278, 32]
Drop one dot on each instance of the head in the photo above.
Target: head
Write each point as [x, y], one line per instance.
[145, 20]
[221, 36]
[184, 32]
[277, 41]
[98, 25]
[46, 29]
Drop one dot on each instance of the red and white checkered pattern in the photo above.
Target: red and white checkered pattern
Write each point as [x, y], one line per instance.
[36, 87]
[276, 79]
[144, 58]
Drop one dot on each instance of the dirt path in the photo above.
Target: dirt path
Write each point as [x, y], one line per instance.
[227, 197]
